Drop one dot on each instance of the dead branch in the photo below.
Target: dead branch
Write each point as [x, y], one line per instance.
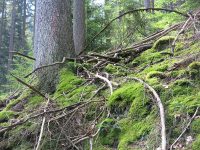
[113, 59]
[161, 110]
[20, 54]
[53, 64]
[42, 127]
[185, 129]
[185, 62]
[181, 31]
[29, 86]
[32, 116]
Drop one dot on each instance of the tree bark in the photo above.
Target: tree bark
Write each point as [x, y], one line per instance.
[79, 25]
[24, 25]
[53, 39]
[12, 34]
[2, 23]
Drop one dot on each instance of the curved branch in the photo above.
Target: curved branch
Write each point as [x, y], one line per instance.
[161, 109]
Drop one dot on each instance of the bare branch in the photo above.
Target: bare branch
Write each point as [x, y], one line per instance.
[161, 109]
[194, 115]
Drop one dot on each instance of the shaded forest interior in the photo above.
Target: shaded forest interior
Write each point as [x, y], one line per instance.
[99, 75]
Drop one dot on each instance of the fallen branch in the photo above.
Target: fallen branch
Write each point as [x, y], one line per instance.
[29, 86]
[113, 59]
[185, 129]
[181, 31]
[161, 110]
[42, 127]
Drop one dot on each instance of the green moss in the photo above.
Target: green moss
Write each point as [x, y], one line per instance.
[25, 94]
[196, 126]
[194, 70]
[196, 143]
[132, 131]
[120, 101]
[116, 70]
[6, 115]
[178, 73]
[109, 133]
[163, 43]
[34, 101]
[69, 90]
[155, 74]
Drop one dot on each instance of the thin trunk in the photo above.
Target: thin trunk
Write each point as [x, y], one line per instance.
[79, 25]
[53, 39]
[24, 25]
[12, 34]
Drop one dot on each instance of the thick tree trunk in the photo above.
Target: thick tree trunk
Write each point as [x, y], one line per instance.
[79, 25]
[12, 34]
[53, 38]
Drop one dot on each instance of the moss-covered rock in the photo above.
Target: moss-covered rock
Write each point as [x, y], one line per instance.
[156, 74]
[129, 97]
[6, 115]
[194, 70]
[163, 43]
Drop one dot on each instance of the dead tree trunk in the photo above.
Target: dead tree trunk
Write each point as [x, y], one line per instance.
[53, 39]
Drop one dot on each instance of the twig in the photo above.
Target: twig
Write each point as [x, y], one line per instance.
[185, 129]
[161, 110]
[20, 54]
[42, 127]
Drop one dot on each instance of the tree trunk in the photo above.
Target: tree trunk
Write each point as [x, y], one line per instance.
[79, 25]
[12, 34]
[2, 23]
[24, 25]
[146, 3]
[53, 39]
